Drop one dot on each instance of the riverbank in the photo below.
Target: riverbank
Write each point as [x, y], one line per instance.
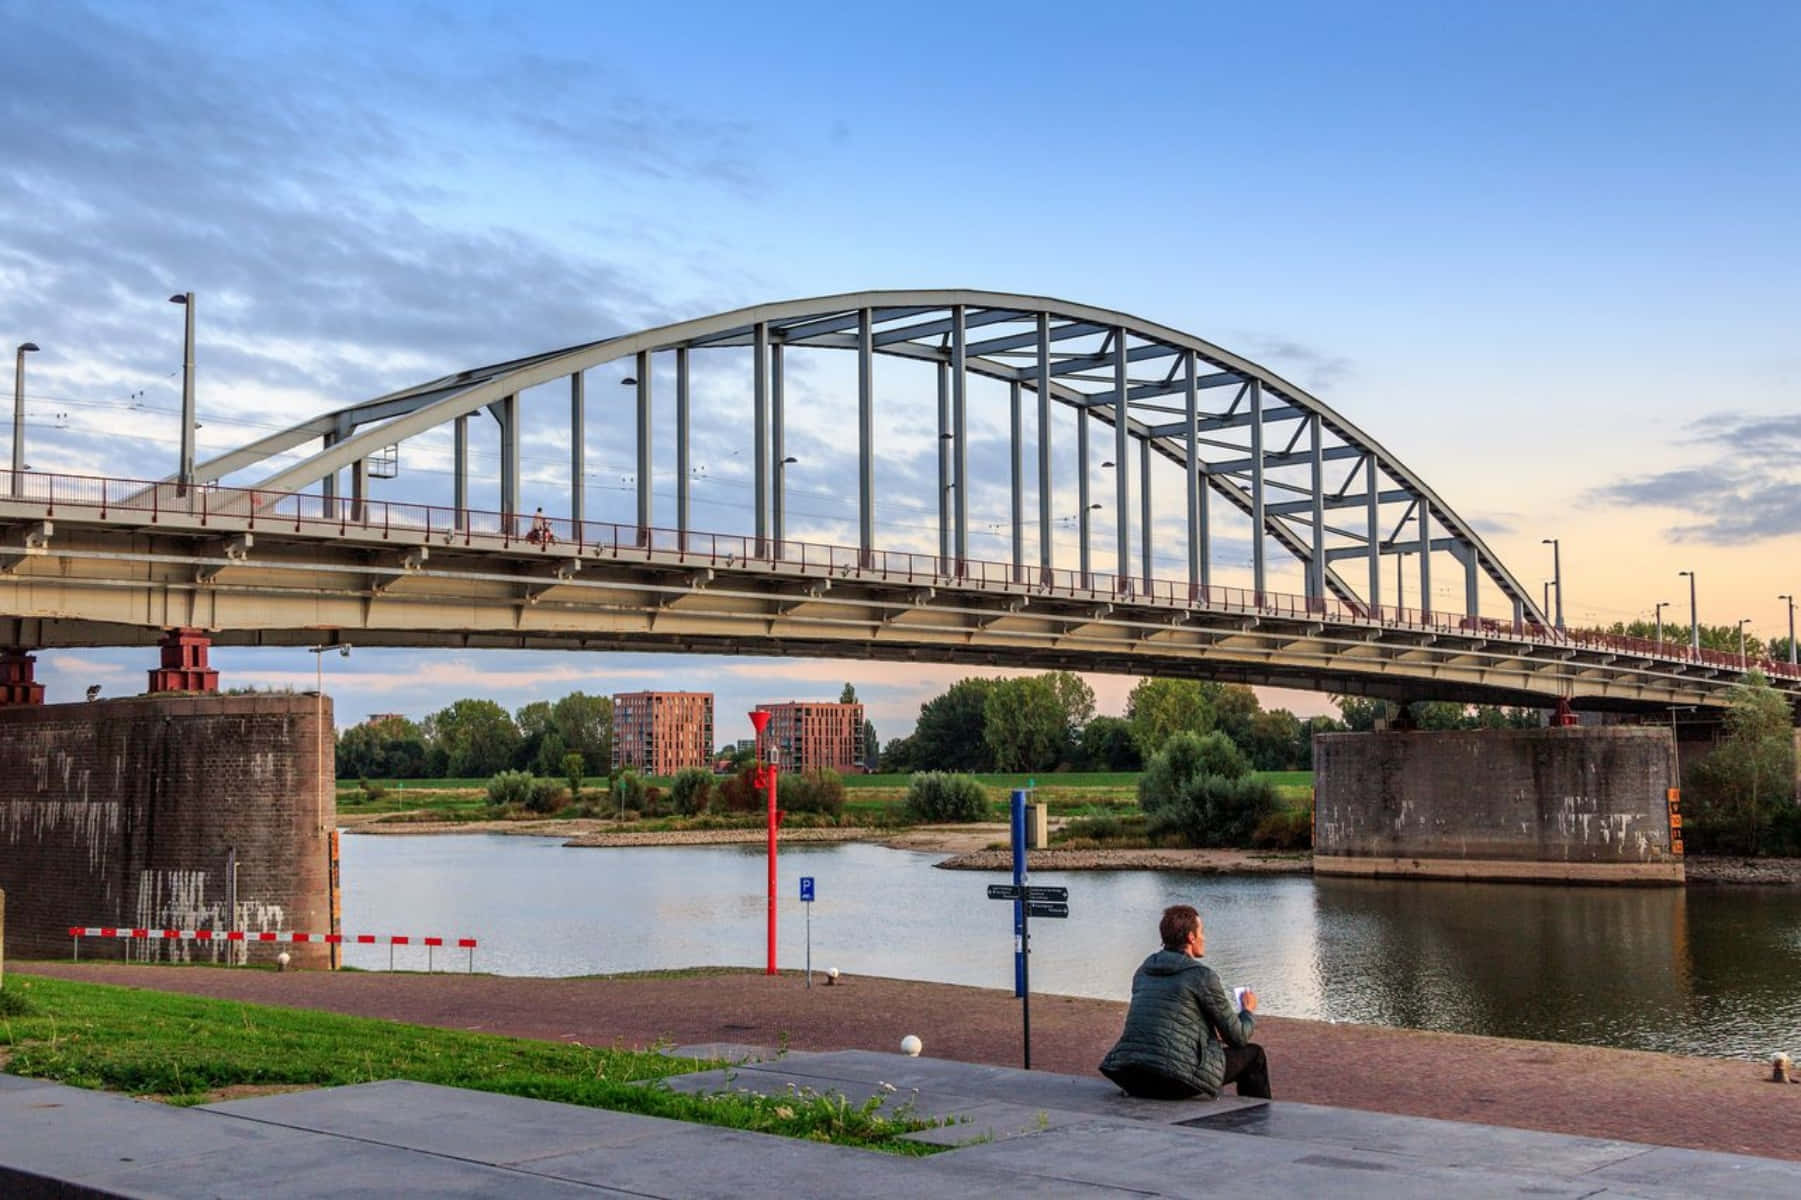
[1701, 1103]
[981, 847]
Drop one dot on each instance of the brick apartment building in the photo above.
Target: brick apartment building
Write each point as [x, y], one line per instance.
[659, 733]
[811, 734]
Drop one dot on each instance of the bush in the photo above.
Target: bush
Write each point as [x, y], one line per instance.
[548, 795]
[573, 768]
[940, 796]
[691, 791]
[653, 801]
[510, 788]
[1213, 810]
[371, 791]
[13, 1002]
[1290, 829]
[740, 792]
[816, 791]
[1183, 759]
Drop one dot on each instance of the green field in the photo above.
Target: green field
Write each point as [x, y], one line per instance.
[870, 799]
[183, 1049]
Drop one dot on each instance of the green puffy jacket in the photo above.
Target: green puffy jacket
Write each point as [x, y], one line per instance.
[1179, 1017]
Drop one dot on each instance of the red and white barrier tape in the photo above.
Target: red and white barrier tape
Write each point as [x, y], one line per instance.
[239, 935]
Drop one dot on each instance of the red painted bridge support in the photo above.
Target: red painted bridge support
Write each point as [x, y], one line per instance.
[184, 666]
[16, 683]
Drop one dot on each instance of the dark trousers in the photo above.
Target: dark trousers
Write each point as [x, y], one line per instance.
[1249, 1069]
[1246, 1066]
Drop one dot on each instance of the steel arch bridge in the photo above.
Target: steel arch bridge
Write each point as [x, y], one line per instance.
[285, 555]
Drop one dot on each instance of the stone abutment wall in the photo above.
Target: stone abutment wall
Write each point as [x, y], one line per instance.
[1572, 804]
[166, 812]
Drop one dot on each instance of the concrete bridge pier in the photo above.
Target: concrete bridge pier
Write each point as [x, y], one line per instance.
[1563, 805]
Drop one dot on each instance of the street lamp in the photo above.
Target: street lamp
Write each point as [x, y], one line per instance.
[1694, 623]
[781, 507]
[1556, 574]
[318, 653]
[1791, 628]
[186, 475]
[1742, 661]
[1661, 605]
[18, 484]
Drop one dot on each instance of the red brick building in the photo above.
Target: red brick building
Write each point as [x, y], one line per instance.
[810, 734]
[659, 733]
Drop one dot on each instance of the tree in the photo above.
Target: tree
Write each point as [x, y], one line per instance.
[1361, 714]
[898, 756]
[1025, 724]
[948, 736]
[585, 723]
[391, 748]
[1272, 740]
[848, 695]
[1107, 745]
[573, 770]
[1235, 711]
[1074, 697]
[474, 738]
[872, 748]
[1750, 776]
[1160, 708]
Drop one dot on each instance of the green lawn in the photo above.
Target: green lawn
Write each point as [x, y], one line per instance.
[181, 1048]
[870, 799]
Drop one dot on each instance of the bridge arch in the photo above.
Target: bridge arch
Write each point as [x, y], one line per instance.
[1239, 432]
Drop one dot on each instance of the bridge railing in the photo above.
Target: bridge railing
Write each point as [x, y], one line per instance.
[439, 524]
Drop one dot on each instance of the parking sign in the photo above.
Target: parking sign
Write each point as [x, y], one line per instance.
[806, 888]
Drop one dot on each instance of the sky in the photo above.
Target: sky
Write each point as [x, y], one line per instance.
[1547, 254]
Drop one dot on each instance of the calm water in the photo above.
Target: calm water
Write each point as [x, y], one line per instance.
[1713, 971]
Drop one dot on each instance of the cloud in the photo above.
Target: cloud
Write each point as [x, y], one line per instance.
[327, 203]
[1749, 490]
[1317, 370]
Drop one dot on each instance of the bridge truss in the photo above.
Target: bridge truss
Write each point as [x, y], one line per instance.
[285, 555]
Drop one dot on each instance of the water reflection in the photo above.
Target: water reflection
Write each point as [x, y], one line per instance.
[1707, 971]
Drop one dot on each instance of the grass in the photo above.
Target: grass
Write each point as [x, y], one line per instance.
[183, 1049]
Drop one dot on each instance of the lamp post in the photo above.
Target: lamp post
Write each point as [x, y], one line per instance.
[1694, 623]
[18, 480]
[185, 476]
[1661, 605]
[779, 515]
[1743, 662]
[1791, 629]
[1556, 575]
[318, 653]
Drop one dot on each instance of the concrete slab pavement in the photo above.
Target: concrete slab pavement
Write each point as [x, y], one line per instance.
[1043, 1136]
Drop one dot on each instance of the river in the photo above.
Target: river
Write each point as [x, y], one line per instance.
[1710, 971]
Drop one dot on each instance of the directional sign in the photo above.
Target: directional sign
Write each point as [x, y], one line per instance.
[1047, 893]
[1004, 891]
[1043, 908]
[806, 888]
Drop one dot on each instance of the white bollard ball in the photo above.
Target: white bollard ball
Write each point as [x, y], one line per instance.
[282, 960]
[911, 1046]
[831, 974]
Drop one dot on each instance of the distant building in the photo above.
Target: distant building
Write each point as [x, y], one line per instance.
[384, 718]
[659, 733]
[809, 734]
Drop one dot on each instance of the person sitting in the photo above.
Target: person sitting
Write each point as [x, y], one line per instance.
[1182, 1039]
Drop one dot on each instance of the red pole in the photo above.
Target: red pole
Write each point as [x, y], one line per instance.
[765, 777]
[769, 775]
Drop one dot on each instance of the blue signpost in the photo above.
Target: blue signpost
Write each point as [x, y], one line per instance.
[1019, 881]
[806, 898]
[1028, 902]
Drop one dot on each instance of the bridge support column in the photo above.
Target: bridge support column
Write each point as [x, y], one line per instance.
[1576, 805]
[184, 666]
[17, 685]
